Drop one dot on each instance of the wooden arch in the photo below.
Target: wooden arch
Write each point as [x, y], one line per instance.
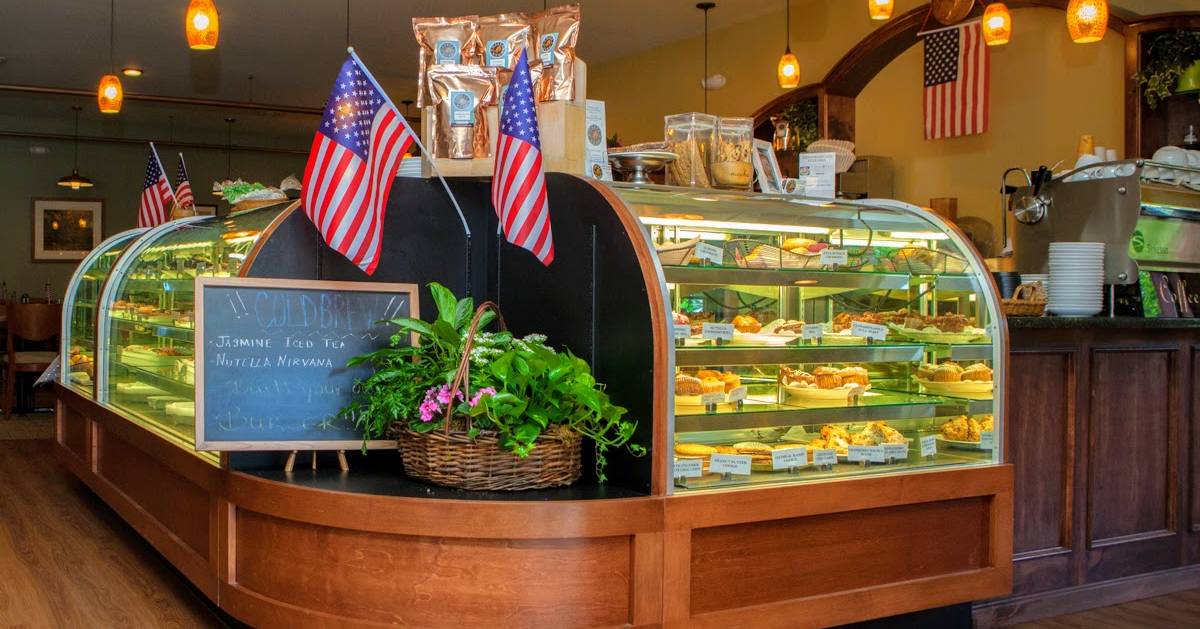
[835, 94]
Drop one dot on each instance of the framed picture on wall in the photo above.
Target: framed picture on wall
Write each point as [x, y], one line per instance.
[766, 167]
[65, 230]
[206, 210]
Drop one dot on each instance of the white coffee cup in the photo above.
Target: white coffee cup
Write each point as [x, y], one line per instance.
[1110, 155]
[1174, 156]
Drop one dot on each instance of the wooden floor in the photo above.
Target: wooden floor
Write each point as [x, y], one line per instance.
[67, 560]
[1181, 609]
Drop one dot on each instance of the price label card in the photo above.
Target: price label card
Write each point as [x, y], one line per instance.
[929, 445]
[871, 454]
[987, 440]
[825, 457]
[682, 331]
[717, 331]
[789, 458]
[834, 257]
[712, 253]
[729, 464]
[738, 394]
[896, 451]
[712, 398]
[811, 331]
[689, 468]
[868, 330]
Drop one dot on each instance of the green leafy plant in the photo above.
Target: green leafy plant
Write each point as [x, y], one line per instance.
[802, 118]
[520, 388]
[1168, 55]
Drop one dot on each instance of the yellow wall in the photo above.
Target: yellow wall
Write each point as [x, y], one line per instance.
[1046, 90]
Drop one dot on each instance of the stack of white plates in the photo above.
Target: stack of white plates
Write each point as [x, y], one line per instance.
[410, 167]
[1035, 278]
[1076, 278]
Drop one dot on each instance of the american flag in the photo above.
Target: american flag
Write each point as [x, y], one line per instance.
[957, 81]
[183, 188]
[352, 162]
[157, 197]
[519, 182]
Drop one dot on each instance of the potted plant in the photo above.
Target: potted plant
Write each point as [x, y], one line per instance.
[485, 410]
[1172, 62]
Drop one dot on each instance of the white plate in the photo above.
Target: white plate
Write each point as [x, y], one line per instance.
[961, 445]
[811, 393]
[937, 337]
[971, 389]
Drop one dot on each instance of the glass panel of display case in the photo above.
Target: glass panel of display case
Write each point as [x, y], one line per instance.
[79, 311]
[150, 371]
[818, 339]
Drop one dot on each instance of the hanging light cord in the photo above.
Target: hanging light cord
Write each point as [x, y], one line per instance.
[347, 23]
[112, 21]
[787, 25]
[704, 81]
[76, 108]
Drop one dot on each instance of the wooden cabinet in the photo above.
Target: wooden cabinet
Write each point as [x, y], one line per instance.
[1103, 442]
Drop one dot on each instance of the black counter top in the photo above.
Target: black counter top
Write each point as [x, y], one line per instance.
[1071, 323]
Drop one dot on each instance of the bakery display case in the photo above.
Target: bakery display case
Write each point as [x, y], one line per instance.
[80, 314]
[816, 340]
[144, 335]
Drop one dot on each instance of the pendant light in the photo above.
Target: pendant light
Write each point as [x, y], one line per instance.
[110, 94]
[880, 9]
[788, 71]
[997, 24]
[74, 180]
[202, 25]
[1087, 20]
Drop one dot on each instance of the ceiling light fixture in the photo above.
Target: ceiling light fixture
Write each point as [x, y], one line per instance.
[109, 93]
[74, 180]
[131, 71]
[202, 24]
[1087, 20]
[880, 9]
[997, 24]
[788, 71]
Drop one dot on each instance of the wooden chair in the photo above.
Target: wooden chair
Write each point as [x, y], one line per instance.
[36, 323]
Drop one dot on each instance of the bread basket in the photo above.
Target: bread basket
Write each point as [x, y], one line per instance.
[1028, 300]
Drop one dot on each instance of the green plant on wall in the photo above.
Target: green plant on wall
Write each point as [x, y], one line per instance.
[802, 118]
[1168, 55]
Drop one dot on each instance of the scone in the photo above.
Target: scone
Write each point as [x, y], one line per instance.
[704, 374]
[947, 372]
[746, 324]
[978, 372]
[986, 423]
[687, 385]
[827, 377]
[711, 385]
[925, 371]
[956, 429]
[731, 380]
[854, 375]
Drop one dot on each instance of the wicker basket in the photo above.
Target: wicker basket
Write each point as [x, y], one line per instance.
[1028, 300]
[452, 458]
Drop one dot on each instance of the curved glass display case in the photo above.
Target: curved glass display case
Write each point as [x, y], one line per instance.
[819, 339]
[79, 311]
[145, 337]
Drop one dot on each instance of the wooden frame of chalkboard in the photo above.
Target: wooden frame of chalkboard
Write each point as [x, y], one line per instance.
[265, 286]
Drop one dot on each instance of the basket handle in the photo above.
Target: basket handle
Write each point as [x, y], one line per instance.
[462, 374]
[1026, 292]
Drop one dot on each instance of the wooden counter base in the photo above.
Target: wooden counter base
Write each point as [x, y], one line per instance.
[278, 554]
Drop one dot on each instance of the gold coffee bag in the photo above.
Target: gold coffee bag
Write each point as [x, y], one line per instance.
[556, 31]
[444, 40]
[461, 95]
[502, 38]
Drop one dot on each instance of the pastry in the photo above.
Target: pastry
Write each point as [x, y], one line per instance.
[687, 385]
[956, 429]
[978, 372]
[725, 450]
[746, 324]
[854, 375]
[797, 244]
[704, 374]
[925, 371]
[731, 380]
[680, 318]
[879, 433]
[752, 447]
[693, 450]
[796, 378]
[829, 431]
[827, 377]
[947, 372]
[711, 385]
[986, 424]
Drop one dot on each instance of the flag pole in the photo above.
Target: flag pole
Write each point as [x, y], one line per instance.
[417, 140]
[171, 188]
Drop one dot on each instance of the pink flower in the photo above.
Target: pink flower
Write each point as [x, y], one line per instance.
[479, 395]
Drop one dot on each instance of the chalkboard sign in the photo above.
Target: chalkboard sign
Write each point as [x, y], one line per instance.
[271, 359]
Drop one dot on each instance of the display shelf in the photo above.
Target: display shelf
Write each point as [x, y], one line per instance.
[730, 355]
[875, 405]
[161, 330]
[807, 278]
[963, 351]
[166, 383]
[965, 406]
